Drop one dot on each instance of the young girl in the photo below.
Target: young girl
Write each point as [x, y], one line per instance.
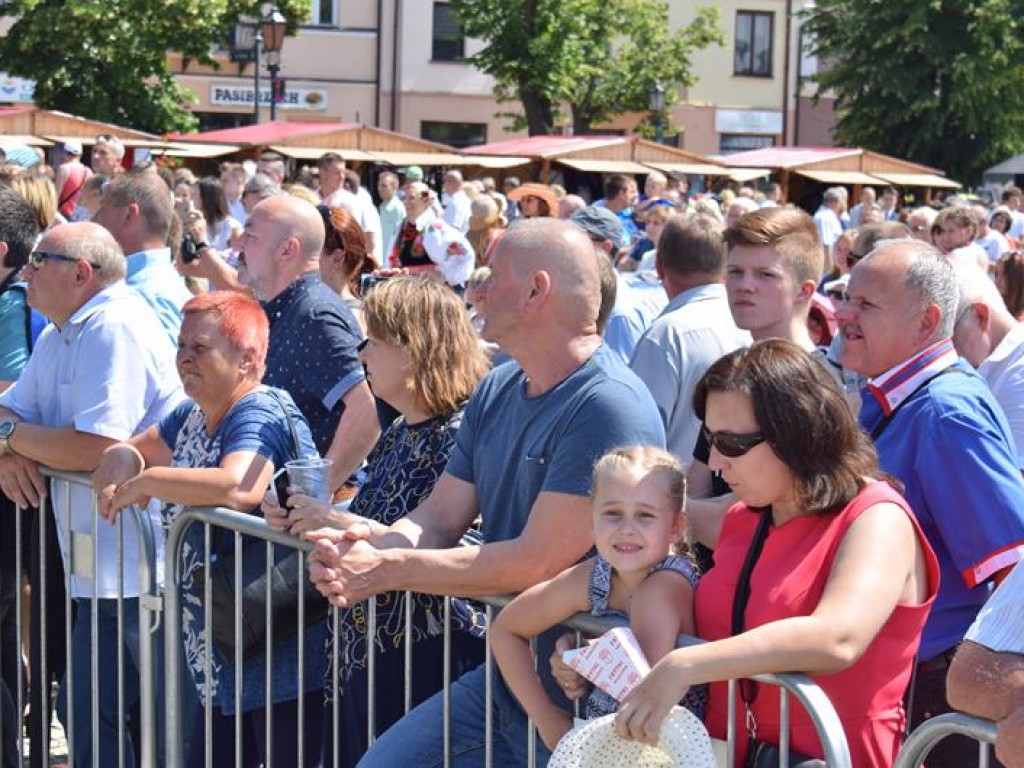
[638, 494]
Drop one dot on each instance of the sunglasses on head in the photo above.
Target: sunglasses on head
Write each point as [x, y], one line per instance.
[732, 445]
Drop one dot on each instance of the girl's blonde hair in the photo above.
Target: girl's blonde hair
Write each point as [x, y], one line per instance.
[649, 458]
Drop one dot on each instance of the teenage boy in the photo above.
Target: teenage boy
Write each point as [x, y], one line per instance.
[773, 264]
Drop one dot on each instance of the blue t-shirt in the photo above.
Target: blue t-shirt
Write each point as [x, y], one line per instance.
[256, 423]
[951, 448]
[512, 446]
[312, 353]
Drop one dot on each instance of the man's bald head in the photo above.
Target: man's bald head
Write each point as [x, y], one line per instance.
[565, 253]
[294, 217]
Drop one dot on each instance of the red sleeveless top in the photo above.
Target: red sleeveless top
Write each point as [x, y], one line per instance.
[787, 581]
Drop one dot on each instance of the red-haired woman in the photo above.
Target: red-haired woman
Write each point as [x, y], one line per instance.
[345, 257]
[220, 448]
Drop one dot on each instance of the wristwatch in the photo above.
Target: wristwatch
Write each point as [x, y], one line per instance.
[6, 432]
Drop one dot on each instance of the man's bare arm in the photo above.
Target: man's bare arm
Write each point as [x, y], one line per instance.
[356, 434]
[556, 536]
[985, 683]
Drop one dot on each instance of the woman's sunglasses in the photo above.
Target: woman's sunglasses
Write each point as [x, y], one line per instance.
[733, 445]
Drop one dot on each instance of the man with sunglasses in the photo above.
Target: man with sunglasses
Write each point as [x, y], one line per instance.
[939, 431]
[103, 371]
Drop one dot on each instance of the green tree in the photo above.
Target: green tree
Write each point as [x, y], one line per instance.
[107, 59]
[598, 57]
[933, 81]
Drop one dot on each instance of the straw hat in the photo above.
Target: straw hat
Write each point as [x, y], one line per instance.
[684, 743]
[543, 191]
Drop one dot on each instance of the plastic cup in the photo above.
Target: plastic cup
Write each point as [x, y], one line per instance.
[310, 477]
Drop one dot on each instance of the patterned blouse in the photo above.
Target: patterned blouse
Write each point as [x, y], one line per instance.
[401, 472]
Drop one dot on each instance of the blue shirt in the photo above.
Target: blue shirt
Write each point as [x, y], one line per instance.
[15, 331]
[256, 423]
[312, 353]
[152, 275]
[950, 447]
[639, 299]
[108, 371]
[513, 447]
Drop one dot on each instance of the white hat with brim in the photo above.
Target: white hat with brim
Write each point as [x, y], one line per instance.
[684, 743]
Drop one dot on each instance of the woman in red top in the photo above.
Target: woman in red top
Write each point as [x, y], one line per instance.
[842, 586]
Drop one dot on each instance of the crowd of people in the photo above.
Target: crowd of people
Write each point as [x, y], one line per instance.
[799, 438]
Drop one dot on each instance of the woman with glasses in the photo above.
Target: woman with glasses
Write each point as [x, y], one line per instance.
[820, 568]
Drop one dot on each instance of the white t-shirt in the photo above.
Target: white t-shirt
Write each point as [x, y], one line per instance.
[1003, 371]
[999, 625]
[365, 214]
[457, 211]
[994, 243]
[828, 226]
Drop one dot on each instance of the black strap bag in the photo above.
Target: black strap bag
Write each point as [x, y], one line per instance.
[760, 754]
[287, 578]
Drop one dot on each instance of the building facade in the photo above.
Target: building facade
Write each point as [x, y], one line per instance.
[398, 64]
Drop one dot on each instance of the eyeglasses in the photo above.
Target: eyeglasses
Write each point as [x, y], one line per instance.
[836, 295]
[853, 258]
[37, 259]
[733, 445]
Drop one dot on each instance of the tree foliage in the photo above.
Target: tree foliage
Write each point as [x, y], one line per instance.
[598, 57]
[933, 81]
[107, 59]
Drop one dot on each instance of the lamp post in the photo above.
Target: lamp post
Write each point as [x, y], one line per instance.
[656, 103]
[257, 42]
[272, 29]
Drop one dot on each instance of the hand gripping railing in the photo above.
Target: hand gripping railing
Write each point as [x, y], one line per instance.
[809, 695]
[931, 732]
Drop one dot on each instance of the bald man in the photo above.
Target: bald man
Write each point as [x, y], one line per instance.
[522, 461]
[456, 202]
[313, 334]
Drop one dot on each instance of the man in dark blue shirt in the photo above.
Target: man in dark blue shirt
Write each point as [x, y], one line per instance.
[313, 334]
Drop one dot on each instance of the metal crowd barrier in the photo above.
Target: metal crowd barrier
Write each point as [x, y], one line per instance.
[927, 735]
[82, 559]
[795, 686]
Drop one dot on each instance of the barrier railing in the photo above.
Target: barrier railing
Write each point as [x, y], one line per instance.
[81, 564]
[927, 735]
[795, 686]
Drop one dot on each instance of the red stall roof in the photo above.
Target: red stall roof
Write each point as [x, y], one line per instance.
[786, 157]
[543, 146]
[263, 133]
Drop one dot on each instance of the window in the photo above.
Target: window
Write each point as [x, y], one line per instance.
[753, 56]
[449, 44]
[454, 134]
[323, 13]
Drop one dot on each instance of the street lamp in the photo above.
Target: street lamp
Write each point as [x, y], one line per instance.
[272, 29]
[656, 103]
